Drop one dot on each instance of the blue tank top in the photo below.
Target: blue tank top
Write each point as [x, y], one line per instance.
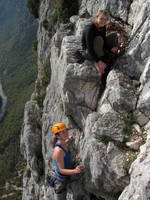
[67, 163]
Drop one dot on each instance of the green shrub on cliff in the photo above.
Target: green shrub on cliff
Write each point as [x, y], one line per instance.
[33, 6]
[62, 10]
[45, 24]
[41, 84]
[66, 9]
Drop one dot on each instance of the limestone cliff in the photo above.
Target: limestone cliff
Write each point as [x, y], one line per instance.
[112, 128]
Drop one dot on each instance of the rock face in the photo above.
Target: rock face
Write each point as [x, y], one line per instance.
[139, 187]
[101, 121]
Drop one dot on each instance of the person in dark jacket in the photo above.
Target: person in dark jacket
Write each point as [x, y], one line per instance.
[62, 160]
[96, 43]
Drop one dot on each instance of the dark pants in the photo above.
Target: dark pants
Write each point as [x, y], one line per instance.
[60, 190]
[111, 41]
[100, 49]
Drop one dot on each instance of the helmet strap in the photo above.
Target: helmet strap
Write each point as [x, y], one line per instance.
[60, 138]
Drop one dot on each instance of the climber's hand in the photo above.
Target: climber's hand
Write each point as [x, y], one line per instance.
[114, 50]
[80, 168]
[71, 138]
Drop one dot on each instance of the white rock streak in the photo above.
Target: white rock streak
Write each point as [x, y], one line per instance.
[4, 102]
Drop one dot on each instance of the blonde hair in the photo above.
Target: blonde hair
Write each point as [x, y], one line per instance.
[102, 12]
[54, 141]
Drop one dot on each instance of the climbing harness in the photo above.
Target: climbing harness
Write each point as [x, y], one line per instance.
[51, 178]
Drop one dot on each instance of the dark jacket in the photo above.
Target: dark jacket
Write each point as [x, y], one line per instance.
[89, 34]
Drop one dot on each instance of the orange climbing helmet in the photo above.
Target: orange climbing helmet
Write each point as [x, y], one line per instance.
[58, 127]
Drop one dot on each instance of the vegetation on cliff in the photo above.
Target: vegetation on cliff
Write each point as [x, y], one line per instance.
[33, 6]
[61, 12]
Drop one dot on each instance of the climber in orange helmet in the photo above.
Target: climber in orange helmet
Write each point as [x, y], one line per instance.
[62, 161]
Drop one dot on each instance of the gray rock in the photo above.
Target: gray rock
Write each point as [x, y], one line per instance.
[117, 8]
[64, 30]
[31, 146]
[119, 93]
[74, 19]
[145, 77]
[137, 128]
[107, 159]
[147, 126]
[138, 9]
[107, 125]
[139, 187]
[141, 118]
[137, 53]
[80, 25]
[80, 92]
[135, 145]
[144, 100]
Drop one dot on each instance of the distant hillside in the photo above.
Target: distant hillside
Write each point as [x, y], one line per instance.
[17, 73]
[18, 30]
